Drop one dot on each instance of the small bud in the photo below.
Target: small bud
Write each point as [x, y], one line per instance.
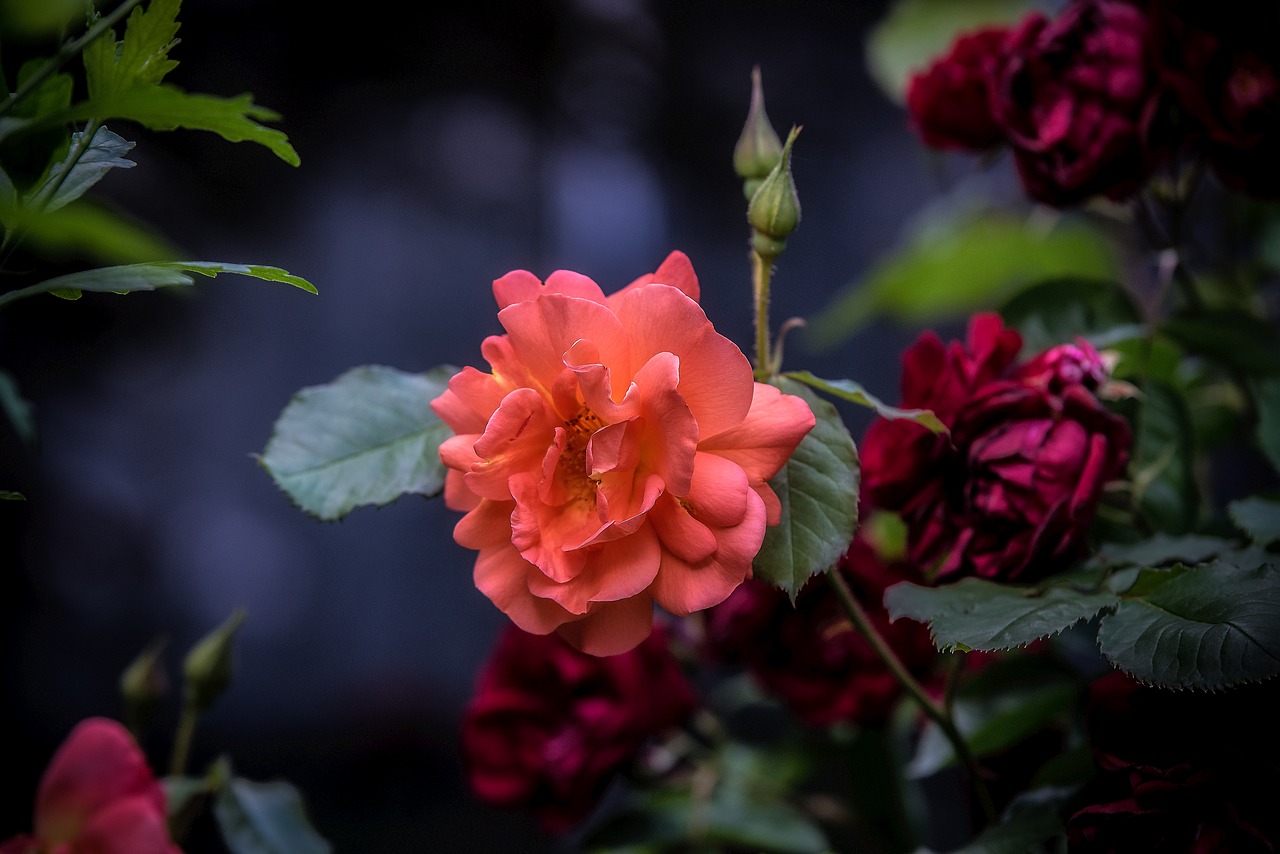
[774, 211]
[758, 149]
[143, 685]
[207, 668]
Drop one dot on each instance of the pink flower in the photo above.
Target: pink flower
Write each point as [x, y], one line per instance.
[616, 455]
[548, 726]
[949, 102]
[97, 796]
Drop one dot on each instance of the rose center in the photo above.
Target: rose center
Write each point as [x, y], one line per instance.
[573, 462]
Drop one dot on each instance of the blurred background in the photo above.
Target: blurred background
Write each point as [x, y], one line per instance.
[442, 145]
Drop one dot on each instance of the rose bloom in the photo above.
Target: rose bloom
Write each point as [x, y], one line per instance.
[808, 654]
[949, 102]
[616, 455]
[549, 726]
[1179, 770]
[1077, 99]
[1010, 493]
[97, 796]
[1222, 62]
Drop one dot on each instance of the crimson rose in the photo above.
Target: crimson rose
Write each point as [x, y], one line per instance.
[548, 725]
[1010, 493]
[949, 102]
[1179, 771]
[808, 654]
[1077, 98]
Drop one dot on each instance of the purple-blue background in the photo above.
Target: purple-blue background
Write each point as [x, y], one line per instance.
[442, 145]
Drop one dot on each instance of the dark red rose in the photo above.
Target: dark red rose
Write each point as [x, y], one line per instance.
[1077, 97]
[1222, 62]
[1010, 493]
[1179, 771]
[809, 655]
[548, 726]
[949, 102]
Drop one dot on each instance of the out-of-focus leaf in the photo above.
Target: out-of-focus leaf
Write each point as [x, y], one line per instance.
[10, 495]
[367, 438]
[1163, 461]
[1205, 627]
[148, 277]
[1160, 549]
[855, 393]
[1029, 823]
[266, 818]
[1268, 397]
[103, 236]
[106, 152]
[1258, 517]
[17, 409]
[165, 107]
[818, 488]
[974, 613]
[33, 19]
[915, 32]
[1056, 311]
[1229, 336]
[959, 262]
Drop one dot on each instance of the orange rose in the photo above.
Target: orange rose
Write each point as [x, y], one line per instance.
[616, 455]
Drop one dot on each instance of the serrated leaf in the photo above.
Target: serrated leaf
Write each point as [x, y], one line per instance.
[855, 393]
[818, 489]
[166, 107]
[915, 32]
[1258, 517]
[81, 169]
[1207, 627]
[17, 409]
[957, 262]
[147, 277]
[141, 57]
[265, 818]
[974, 613]
[367, 438]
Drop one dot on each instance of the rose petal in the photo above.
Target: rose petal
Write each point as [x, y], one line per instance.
[611, 628]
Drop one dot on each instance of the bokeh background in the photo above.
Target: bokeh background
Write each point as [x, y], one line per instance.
[442, 145]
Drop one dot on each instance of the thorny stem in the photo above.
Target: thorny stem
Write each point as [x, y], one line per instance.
[931, 709]
[64, 53]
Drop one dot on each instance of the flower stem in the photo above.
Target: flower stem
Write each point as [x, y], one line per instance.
[182, 740]
[762, 271]
[931, 709]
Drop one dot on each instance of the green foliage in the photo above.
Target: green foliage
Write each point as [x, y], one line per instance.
[265, 818]
[367, 438]
[818, 488]
[148, 277]
[1258, 517]
[1163, 464]
[957, 261]
[855, 393]
[1055, 311]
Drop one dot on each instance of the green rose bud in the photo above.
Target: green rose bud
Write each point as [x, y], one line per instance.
[774, 211]
[758, 149]
[143, 685]
[207, 668]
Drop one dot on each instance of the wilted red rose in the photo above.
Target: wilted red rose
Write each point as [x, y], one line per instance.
[808, 654]
[949, 102]
[98, 796]
[1010, 493]
[548, 725]
[1222, 62]
[1076, 97]
[1179, 771]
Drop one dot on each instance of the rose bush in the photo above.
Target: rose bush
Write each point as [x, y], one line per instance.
[616, 455]
[549, 726]
[1010, 493]
[97, 796]
[949, 102]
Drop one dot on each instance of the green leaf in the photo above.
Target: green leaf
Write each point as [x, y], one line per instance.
[915, 32]
[104, 236]
[17, 409]
[367, 438]
[106, 152]
[1033, 820]
[148, 277]
[1056, 311]
[1160, 549]
[855, 393]
[265, 818]
[10, 495]
[974, 613]
[960, 261]
[166, 107]
[1231, 337]
[818, 488]
[1258, 517]
[141, 57]
[1268, 397]
[1206, 627]
[1162, 467]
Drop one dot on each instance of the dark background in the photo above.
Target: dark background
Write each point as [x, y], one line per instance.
[442, 145]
